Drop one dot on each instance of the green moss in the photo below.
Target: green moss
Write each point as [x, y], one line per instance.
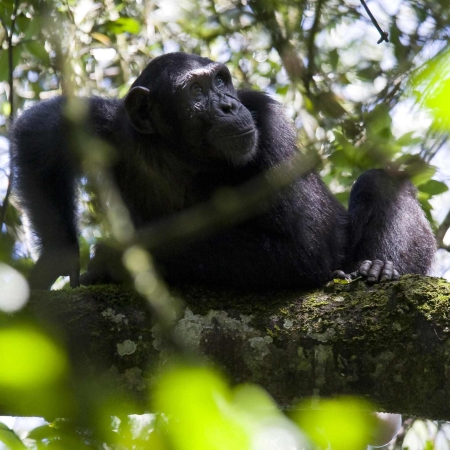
[355, 312]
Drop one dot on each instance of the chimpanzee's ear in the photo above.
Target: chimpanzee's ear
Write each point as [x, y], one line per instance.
[138, 107]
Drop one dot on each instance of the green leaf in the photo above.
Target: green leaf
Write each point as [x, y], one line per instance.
[367, 74]
[31, 357]
[48, 431]
[334, 58]
[37, 50]
[434, 187]
[190, 396]
[342, 197]
[6, 9]
[432, 89]
[10, 439]
[407, 140]
[4, 63]
[379, 121]
[255, 401]
[123, 25]
[6, 246]
[340, 159]
[418, 171]
[341, 423]
[423, 176]
[282, 90]
[341, 281]
[34, 28]
[22, 23]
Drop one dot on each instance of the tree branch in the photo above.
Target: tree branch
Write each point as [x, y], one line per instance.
[265, 14]
[10, 60]
[384, 35]
[5, 203]
[388, 342]
[442, 231]
[325, 101]
[311, 47]
[11, 101]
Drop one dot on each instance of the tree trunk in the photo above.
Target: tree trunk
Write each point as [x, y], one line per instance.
[388, 342]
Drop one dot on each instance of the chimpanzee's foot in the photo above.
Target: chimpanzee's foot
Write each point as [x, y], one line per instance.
[377, 270]
[53, 264]
[373, 271]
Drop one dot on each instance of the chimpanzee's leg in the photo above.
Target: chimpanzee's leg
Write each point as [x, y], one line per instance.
[389, 234]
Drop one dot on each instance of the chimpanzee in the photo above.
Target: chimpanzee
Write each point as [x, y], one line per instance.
[182, 132]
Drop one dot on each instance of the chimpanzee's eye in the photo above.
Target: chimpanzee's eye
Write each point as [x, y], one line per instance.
[196, 88]
[220, 81]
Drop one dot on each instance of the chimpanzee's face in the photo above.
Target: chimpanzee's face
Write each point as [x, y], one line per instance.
[191, 101]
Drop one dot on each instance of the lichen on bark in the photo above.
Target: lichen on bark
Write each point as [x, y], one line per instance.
[388, 342]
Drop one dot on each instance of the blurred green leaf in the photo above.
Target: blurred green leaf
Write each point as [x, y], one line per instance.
[34, 28]
[10, 439]
[343, 197]
[339, 158]
[379, 122]
[37, 50]
[123, 25]
[432, 88]
[434, 187]
[334, 58]
[7, 243]
[420, 173]
[61, 434]
[425, 204]
[36, 379]
[4, 62]
[6, 10]
[367, 73]
[197, 402]
[407, 140]
[349, 151]
[105, 40]
[344, 423]
[282, 90]
[22, 23]
[255, 401]
[44, 432]
[31, 357]
[13, 219]
[329, 104]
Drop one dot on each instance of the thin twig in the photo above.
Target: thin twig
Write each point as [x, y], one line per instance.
[10, 60]
[241, 203]
[311, 46]
[5, 203]
[429, 153]
[11, 102]
[442, 231]
[384, 34]
[3, 24]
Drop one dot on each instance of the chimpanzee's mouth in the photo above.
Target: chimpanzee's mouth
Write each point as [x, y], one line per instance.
[243, 133]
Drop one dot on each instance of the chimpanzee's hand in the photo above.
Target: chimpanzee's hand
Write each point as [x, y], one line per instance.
[373, 271]
[105, 267]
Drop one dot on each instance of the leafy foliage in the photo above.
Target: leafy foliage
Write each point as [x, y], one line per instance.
[347, 95]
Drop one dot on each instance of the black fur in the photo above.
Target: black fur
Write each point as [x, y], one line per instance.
[181, 133]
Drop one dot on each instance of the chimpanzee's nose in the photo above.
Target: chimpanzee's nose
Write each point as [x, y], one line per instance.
[228, 105]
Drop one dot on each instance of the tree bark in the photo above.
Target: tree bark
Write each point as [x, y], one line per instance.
[387, 342]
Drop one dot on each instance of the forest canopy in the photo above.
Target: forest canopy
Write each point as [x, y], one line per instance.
[367, 85]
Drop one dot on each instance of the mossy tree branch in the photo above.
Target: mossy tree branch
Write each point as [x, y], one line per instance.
[388, 342]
